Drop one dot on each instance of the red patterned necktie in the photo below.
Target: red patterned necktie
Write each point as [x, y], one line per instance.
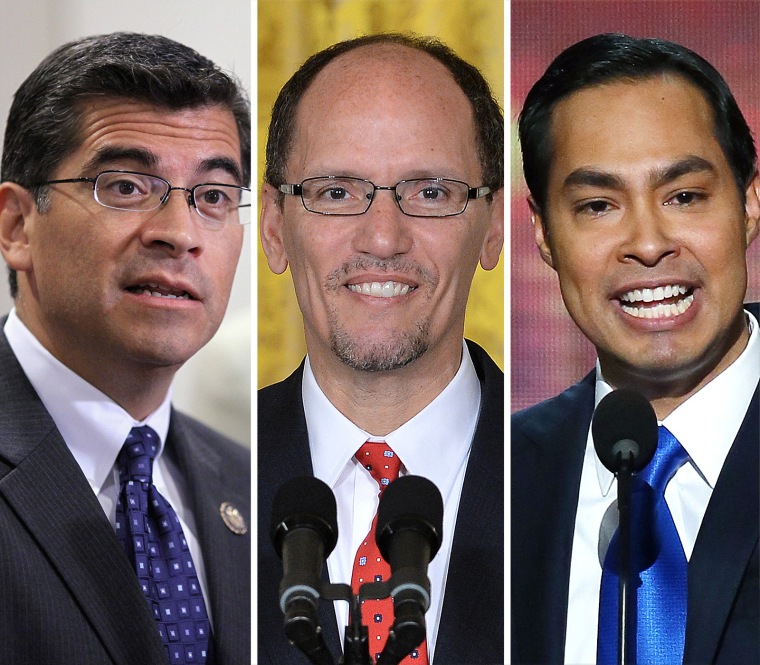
[369, 566]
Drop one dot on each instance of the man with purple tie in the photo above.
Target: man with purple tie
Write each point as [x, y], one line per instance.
[124, 188]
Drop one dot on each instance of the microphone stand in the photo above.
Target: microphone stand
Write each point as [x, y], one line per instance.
[356, 639]
[626, 596]
[406, 633]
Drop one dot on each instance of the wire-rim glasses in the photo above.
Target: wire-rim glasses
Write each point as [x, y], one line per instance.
[142, 192]
[418, 197]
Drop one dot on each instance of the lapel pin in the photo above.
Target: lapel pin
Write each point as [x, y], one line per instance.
[233, 519]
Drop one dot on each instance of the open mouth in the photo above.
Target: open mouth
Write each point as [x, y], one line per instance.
[662, 302]
[387, 289]
[159, 291]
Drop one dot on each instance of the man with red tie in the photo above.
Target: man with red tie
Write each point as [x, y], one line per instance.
[384, 189]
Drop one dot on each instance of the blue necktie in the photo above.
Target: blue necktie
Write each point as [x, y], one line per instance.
[658, 568]
[152, 536]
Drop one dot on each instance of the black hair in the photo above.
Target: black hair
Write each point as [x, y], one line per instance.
[44, 120]
[608, 58]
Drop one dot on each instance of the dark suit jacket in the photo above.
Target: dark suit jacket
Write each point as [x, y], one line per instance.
[472, 624]
[548, 442]
[68, 594]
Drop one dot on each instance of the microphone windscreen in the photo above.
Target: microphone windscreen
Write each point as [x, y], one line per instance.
[410, 502]
[624, 416]
[304, 502]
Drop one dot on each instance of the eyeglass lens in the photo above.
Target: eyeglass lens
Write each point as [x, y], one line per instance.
[135, 191]
[434, 197]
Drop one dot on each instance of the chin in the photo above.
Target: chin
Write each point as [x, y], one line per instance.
[165, 353]
[380, 355]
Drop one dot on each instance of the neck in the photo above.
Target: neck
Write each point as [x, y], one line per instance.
[136, 385]
[380, 402]
[666, 391]
[139, 393]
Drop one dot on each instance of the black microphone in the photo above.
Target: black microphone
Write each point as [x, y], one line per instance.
[304, 530]
[624, 429]
[409, 533]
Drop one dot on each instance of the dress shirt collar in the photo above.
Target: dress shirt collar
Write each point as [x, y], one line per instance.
[446, 427]
[93, 426]
[707, 423]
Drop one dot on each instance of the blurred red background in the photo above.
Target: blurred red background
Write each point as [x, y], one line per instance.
[548, 353]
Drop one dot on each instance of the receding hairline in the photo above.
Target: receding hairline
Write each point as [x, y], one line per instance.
[389, 51]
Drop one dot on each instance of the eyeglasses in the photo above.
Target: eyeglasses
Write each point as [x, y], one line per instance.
[142, 192]
[421, 197]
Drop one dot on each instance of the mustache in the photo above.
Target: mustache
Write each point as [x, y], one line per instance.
[398, 265]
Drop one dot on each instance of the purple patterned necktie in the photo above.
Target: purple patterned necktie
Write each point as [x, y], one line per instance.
[152, 536]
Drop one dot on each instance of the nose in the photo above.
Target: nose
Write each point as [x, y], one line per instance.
[172, 228]
[383, 231]
[649, 238]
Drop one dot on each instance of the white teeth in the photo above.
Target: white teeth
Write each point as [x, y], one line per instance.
[660, 310]
[650, 295]
[157, 294]
[381, 289]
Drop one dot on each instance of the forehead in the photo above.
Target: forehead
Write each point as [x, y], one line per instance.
[171, 136]
[623, 124]
[381, 99]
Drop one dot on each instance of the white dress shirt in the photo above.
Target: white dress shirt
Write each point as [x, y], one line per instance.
[706, 425]
[95, 428]
[435, 443]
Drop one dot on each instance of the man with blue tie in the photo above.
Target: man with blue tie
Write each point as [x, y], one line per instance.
[124, 189]
[645, 197]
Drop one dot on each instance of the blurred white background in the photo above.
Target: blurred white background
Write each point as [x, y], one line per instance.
[215, 386]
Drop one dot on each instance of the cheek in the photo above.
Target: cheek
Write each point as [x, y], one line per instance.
[224, 265]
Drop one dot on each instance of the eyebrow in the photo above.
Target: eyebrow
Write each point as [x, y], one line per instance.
[149, 160]
[591, 177]
[223, 164]
[686, 166]
[110, 154]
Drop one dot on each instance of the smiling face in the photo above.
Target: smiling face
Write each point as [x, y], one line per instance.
[109, 291]
[648, 231]
[381, 290]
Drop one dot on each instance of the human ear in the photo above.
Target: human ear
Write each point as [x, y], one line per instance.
[271, 230]
[752, 209]
[540, 232]
[16, 209]
[494, 240]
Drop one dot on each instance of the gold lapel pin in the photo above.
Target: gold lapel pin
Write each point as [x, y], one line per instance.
[233, 519]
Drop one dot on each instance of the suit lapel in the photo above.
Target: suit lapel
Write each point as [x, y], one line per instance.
[52, 500]
[283, 453]
[727, 539]
[547, 458]
[226, 555]
[474, 594]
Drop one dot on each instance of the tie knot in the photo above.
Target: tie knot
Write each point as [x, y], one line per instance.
[382, 463]
[668, 458]
[136, 457]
